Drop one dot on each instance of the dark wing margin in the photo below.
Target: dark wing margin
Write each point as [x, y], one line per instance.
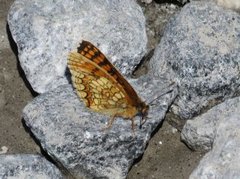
[88, 50]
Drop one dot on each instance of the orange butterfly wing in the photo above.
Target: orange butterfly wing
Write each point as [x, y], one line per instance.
[100, 85]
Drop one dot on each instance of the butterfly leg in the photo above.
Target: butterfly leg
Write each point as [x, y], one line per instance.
[133, 126]
[110, 123]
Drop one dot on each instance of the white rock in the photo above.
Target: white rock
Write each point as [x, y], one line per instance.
[231, 4]
[223, 160]
[200, 133]
[46, 31]
[4, 150]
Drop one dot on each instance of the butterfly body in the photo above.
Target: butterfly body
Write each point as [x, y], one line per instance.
[101, 87]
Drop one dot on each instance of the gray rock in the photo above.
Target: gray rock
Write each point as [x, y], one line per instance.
[73, 135]
[46, 31]
[200, 133]
[157, 16]
[27, 166]
[223, 160]
[200, 49]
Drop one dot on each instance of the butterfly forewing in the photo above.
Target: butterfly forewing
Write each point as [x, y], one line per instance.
[100, 85]
[92, 53]
[98, 93]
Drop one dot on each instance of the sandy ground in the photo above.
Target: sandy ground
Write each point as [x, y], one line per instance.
[14, 94]
[165, 156]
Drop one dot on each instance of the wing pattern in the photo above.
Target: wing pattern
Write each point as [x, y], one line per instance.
[99, 84]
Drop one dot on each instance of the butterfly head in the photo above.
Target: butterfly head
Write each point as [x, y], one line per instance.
[143, 112]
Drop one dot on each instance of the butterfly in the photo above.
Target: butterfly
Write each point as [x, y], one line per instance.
[102, 87]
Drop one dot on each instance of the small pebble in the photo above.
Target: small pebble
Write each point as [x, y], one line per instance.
[174, 130]
[4, 150]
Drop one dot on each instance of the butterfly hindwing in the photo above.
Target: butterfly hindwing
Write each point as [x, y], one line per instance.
[101, 86]
[98, 92]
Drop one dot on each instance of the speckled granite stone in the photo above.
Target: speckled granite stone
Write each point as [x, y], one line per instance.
[45, 31]
[73, 135]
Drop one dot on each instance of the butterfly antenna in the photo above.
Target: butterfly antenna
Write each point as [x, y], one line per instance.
[169, 91]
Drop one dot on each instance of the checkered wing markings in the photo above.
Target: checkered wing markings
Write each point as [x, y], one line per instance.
[90, 52]
[98, 92]
[101, 86]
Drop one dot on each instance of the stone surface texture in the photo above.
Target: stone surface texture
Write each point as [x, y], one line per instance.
[200, 49]
[46, 31]
[230, 4]
[200, 133]
[223, 160]
[157, 16]
[72, 134]
[27, 166]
